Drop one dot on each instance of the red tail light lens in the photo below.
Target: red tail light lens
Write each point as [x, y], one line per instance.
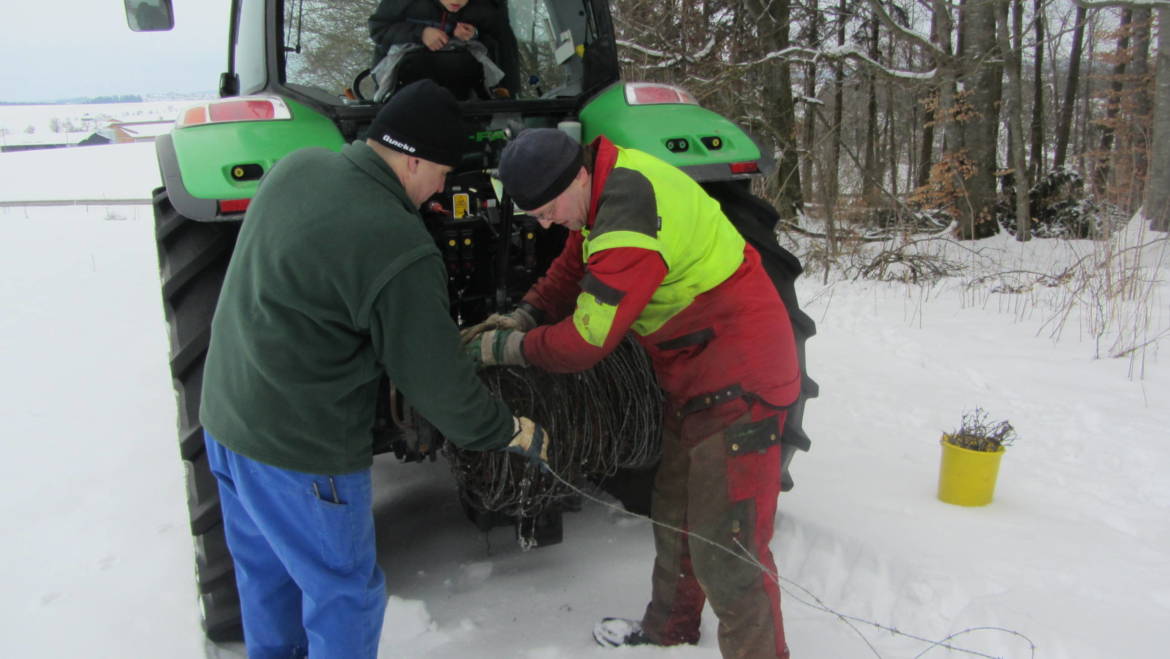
[750, 167]
[233, 206]
[652, 93]
[193, 116]
[244, 108]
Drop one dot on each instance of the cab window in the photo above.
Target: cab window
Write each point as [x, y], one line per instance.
[326, 44]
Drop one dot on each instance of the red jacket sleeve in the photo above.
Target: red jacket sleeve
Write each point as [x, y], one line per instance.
[631, 272]
[556, 292]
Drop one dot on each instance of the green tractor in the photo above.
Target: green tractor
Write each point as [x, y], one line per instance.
[297, 76]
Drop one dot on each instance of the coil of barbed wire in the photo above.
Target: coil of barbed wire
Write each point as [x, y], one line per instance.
[598, 421]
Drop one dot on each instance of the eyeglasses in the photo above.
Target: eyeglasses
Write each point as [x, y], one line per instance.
[546, 214]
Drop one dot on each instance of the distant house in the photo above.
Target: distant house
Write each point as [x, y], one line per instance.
[125, 132]
[94, 140]
[112, 132]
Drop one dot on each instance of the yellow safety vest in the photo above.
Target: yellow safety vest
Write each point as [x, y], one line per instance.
[700, 246]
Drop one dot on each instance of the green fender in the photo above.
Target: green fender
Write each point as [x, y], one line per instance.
[206, 163]
[700, 142]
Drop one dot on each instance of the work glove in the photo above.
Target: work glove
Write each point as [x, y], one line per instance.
[529, 440]
[497, 348]
[518, 319]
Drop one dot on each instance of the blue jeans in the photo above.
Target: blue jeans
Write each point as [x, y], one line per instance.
[303, 546]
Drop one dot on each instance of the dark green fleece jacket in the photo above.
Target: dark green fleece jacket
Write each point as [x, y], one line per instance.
[335, 280]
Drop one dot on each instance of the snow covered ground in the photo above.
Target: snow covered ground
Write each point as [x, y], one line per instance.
[1073, 555]
[69, 124]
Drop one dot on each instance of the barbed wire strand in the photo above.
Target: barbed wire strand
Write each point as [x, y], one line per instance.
[782, 582]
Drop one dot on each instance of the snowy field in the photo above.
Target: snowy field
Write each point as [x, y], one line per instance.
[1071, 560]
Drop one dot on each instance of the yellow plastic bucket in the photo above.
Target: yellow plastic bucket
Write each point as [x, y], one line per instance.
[967, 477]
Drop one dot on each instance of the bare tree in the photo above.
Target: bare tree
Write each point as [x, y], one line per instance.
[739, 59]
[1157, 194]
[940, 35]
[833, 187]
[327, 43]
[1138, 135]
[811, 36]
[1104, 168]
[1037, 127]
[1064, 122]
[1015, 111]
[870, 176]
[981, 81]
[771, 20]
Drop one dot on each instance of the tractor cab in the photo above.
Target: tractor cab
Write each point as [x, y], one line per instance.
[301, 73]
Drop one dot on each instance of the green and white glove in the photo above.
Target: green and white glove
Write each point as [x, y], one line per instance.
[519, 319]
[529, 440]
[497, 348]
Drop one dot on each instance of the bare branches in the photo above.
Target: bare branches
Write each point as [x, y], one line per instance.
[1105, 4]
[669, 59]
[854, 54]
[905, 33]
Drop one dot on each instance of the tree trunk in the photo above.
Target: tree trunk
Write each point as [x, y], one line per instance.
[813, 40]
[1104, 169]
[832, 185]
[1037, 127]
[772, 19]
[913, 143]
[891, 160]
[926, 148]
[870, 174]
[1157, 197]
[1084, 119]
[1064, 122]
[1015, 111]
[949, 75]
[982, 82]
[1138, 139]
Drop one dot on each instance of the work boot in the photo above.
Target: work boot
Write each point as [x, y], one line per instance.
[619, 632]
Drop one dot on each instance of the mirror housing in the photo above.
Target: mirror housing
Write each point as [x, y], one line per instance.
[149, 15]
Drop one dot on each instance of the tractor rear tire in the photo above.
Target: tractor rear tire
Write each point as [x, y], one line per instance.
[756, 220]
[193, 258]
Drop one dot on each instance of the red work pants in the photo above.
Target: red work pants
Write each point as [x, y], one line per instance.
[713, 489]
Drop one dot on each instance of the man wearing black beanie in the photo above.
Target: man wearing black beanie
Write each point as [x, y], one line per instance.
[334, 282]
[422, 120]
[650, 253]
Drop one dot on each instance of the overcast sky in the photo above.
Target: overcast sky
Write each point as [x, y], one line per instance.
[58, 49]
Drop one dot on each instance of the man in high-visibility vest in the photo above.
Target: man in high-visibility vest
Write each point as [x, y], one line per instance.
[650, 252]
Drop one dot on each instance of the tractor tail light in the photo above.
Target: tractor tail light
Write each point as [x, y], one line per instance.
[749, 167]
[233, 206]
[652, 93]
[243, 108]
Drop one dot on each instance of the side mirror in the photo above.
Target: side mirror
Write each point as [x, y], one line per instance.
[149, 15]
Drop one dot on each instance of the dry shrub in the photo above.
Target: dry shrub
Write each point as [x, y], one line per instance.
[978, 433]
[946, 188]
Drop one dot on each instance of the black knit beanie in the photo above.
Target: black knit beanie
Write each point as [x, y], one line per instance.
[539, 164]
[422, 119]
